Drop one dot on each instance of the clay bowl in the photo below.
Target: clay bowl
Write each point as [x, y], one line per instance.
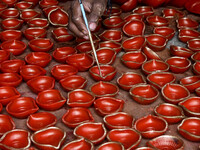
[196, 68]
[16, 47]
[85, 47]
[3, 6]
[73, 82]
[9, 13]
[31, 71]
[6, 123]
[81, 143]
[108, 105]
[196, 57]
[35, 32]
[80, 98]
[112, 11]
[144, 10]
[194, 45]
[4, 55]
[159, 79]
[11, 65]
[118, 120]
[166, 141]
[10, 35]
[189, 129]
[111, 44]
[35, 2]
[10, 79]
[41, 120]
[144, 148]
[10, 3]
[187, 34]
[180, 51]
[129, 137]
[144, 93]
[104, 89]
[76, 116]
[11, 24]
[60, 54]
[113, 22]
[50, 100]
[133, 17]
[170, 112]
[157, 21]
[167, 32]
[58, 17]
[134, 28]
[38, 22]
[63, 70]
[41, 83]
[23, 5]
[187, 23]
[108, 72]
[156, 42]
[150, 53]
[197, 90]
[170, 13]
[174, 93]
[191, 82]
[81, 61]
[111, 145]
[21, 142]
[151, 126]
[40, 45]
[41, 59]
[128, 79]
[42, 139]
[134, 43]
[154, 65]
[22, 107]
[113, 35]
[48, 9]
[47, 3]
[191, 106]
[29, 14]
[61, 34]
[133, 59]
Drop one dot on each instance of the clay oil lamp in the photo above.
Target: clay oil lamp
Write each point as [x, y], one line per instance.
[134, 28]
[31, 71]
[48, 9]
[191, 106]
[73, 82]
[154, 65]
[159, 79]
[60, 54]
[194, 45]
[197, 90]
[15, 139]
[106, 55]
[50, 100]
[111, 44]
[80, 98]
[47, 3]
[170, 112]
[156, 42]
[94, 132]
[43, 138]
[6, 123]
[11, 65]
[85, 47]
[41, 120]
[35, 32]
[144, 93]
[113, 11]
[196, 68]
[178, 64]
[170, 13]
[29, 14]
[10, 79]
[174, 93]
[118, 120]
[157, 21]
[40, 45]
[63, 70]
[108, 105]
[128, 137]
[10, 3]
[16, 47]
[113, 35]
[192, 6]
[191, 82]
[81, 61]
[133, 59]
[58, 17]
[22, 107]
[10, 35]
[187, 23]
[144, 148]
[151, 126]
[189, 129]
[133, 17]
[134, 43]
[144, 10]
[35, 2]
[166, 141]
[76, 116]
[128, 79]
[3, 6]
[41, 59]
[108, 73]
[180, 51]
[9, 13]
[167, 32]
[150, 54]
[61, 34]
[4, 55]
[38, 22]
[80, 143]
[23, 5]
[187, 34]
[111, 145]
[113, 22]
[11, 24]
[41, 83]
[104, 89]
[196, 57]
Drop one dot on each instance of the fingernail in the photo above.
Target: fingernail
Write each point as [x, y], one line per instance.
[84, 32]
[92, 26]
[86, 37]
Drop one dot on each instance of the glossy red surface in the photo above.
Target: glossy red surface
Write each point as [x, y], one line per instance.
[180, 51]
[157, 21]
[13, 65]
[11, 24]
[35, 32]
[6, 123]
[187, 34]
[4, 55]
[116, 11]
[167, 32]
[10, 79]
[86, 47]
[47, 3]
[113, 35]
[29, 14]
[10, 35]
[196, 56]
[193, 6]
[40, 45]
[9, 13]
[194, 44]
[111, 146]
[144, 10]
[58, 17]
[23, 5]
[113, 22]
[10, 3]
[150, 53]
[134, 16]
[172, 12]
[62, 34]
[190, 82]
[111, 44]
[186, 22]
[38, 22]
